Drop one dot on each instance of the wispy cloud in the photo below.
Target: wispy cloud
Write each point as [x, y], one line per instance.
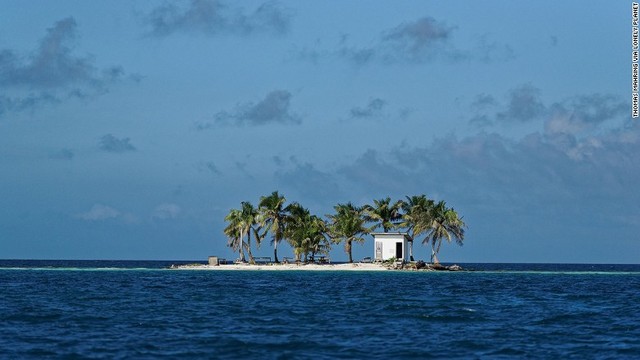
[483, 101]
[561, 176]
[166, 211]
[99, 212]
[209, 167]
[373, 108]
[306, 180]
[62, 154]
[416, 42]
[26, 101]
[52, 72]
[211, 17]
[487, 51]
[110, 143]
[273, 109]
[524, 104]
[584, 113]
[372, 170]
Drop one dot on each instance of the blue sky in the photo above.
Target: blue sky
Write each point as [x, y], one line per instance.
[129, 129]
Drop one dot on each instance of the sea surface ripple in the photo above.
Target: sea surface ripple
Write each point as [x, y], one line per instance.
[155, 313]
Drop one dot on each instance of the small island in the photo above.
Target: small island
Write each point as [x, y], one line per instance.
[311, 237]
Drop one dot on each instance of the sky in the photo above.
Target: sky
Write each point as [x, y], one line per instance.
[128, 130]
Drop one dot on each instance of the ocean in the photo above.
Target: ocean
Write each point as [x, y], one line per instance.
[140, 310]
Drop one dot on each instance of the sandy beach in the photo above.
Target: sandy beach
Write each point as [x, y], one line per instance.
[285, 267]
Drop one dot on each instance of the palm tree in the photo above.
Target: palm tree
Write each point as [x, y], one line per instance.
[249, 217]
[294, 230]
[416, 214]
[444, 224]
[414, 209]
[383, 213]
[272, 209]
[317, 240]
[234, 233]
[347, 225]
[242, 222]
[305, 232]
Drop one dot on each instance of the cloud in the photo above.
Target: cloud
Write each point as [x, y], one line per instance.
[26, 102]
[566, 173]
[212, 168]
[576, 115]
[480, 105]
[99, 212]
[52, 72]
[209, 167]
[548, 190]
[371, 169]
[307, 181]
[213, 17]
[584, 113]
[571, 180]
[277, 160]
[373, 108]
[166, 211]
[418, 40]
[53, 64]
[242, 168]
[110, 143]
[359, 56]
[63, 154]
[524, 105]
[487, 51]
[273, 109]
[483, 101]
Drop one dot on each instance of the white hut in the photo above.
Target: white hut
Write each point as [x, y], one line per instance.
[392, 245]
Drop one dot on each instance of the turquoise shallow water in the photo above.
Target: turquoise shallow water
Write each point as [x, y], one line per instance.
[137, 310]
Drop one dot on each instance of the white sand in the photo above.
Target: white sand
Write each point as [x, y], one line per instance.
[279, 267]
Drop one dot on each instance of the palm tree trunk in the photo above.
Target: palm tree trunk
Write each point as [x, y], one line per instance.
[348, 246]
[241, 250]
[275, 250]
[251, 260]
[433, 251]
[435, 255]
[411, 250]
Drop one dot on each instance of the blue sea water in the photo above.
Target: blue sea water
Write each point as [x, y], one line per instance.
[125, 310]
